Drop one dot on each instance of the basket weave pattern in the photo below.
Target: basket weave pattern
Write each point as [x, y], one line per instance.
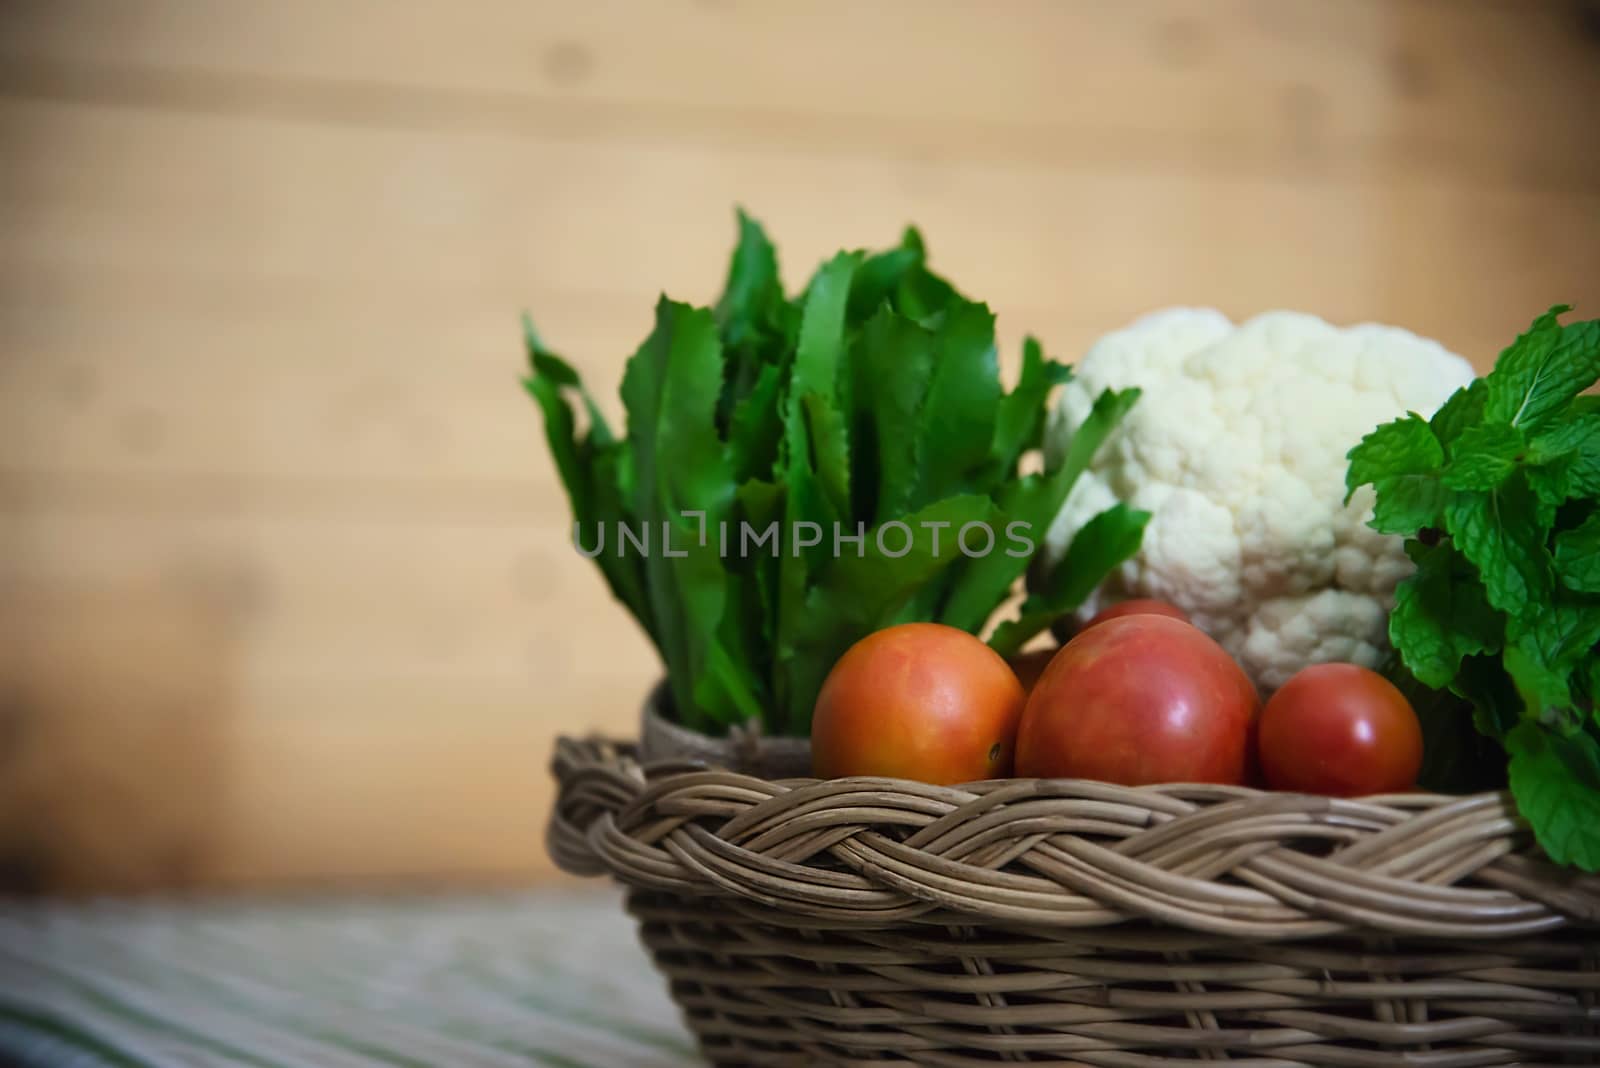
[1077, 923]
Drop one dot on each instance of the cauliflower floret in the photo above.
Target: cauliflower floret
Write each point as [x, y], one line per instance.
[1237, 447]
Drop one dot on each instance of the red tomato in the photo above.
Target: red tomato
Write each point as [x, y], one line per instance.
[1139, 699]
[917, 701]
[1340, 730]
[1139, 606]
[1029, 666]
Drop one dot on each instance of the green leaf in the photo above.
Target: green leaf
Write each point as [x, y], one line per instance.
[821, 345]
[862, 590]
[893, 363]
[1484, 456]
[1555, 780]
[924, 296]
[1019, 425]
[1545, 694]
[1463, 409]
[1456, 759]
[1499, 532]
[872, 395]
[1565, 433]
[822, 444]
[592, 475]
[1577, 554]
[1070, 459]
[830, 446]
[1547, 647]
[1401, 459]
[1029, 505]
[1551, 481]
[1405, 446]
[1591, 679]
[805, 503]
[756, 426]
[1099, 546]
[1496, 705]
[1442, 614]
[1542, 370]
[670, 390]
[560, 429]
[880, 275]
[1407, 504]
[611, 489]
[957, 422]
[753, 290]
[562, 374]
[1564, 460]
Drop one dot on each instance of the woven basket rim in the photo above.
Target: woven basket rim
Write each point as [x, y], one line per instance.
[1219, 860]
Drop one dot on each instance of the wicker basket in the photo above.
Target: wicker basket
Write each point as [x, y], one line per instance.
[855, 921]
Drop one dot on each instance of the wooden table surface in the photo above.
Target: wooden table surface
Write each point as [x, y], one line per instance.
[485, 981]
[285, 588]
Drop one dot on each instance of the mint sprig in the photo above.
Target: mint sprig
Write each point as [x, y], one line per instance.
[1499, 497]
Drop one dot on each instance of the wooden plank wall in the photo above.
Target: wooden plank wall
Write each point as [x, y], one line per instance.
[284, 589]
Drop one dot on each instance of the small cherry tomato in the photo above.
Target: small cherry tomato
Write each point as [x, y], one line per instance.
[1139, 606]
[1339, 730]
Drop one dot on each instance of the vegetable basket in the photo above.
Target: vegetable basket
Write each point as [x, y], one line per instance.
[1067, 922]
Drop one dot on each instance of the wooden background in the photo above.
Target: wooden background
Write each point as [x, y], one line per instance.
[285, 594]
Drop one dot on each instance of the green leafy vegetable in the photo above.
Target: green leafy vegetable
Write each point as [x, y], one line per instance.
[1099, 546]
[798, 472]
[1556, 780]
[1499, 496]
[1442, 614]
[1578, 556]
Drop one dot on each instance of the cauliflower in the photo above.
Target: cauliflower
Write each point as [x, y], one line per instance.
[1237, 446]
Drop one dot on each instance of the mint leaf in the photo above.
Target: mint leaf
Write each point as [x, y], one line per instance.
[1555, 780]
[1542, 370]
[1578, 556]
[1564, 433]
[1484, 456]
[1564, 459]
[1407, 504]
[1100, 545]
[1463, 409]
[1551, 480]
[1499, 531]
[1583, 474]
[1401, 459]
[1406, 446]
[1442, 614]
[1544, 693]
[1549, 645]
[1496, 706]
[1455, 758]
